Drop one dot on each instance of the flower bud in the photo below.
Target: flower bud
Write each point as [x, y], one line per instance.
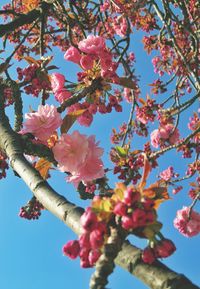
[71, 249]
[164, 248]
[148, 255]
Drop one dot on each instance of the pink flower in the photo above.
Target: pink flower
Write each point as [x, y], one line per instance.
[84, 240]
[72, 54]
[71, 151]
[148, 255]
[57, 81]
[187, 222]
[84, 254]
[79, 155]
[165, 130]
[62, 95]
[168, 132]
[92, 168]
[86, 62]
[131, 197]
[106, 60]
[89, 220]
[127, 223]
[164, 248]
[43, 122]
[120, 209]
[164, 133]
[139, 217]
[177, 190]
[94, 256]
[174, 137]
[155, 137]
[92, 44]
[71, 249]
[167, 174]
[127, 94]
[92, 108]
[96, 239]
[85, 119]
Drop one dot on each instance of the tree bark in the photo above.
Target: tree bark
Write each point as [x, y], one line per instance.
[156, 276]
[22, 20]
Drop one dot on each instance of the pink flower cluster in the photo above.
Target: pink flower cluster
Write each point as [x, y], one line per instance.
[90, 109]
[127, 95]
[194, 125]
[57, 85]
[120, 25]
[80, 156]
[162, 249]
[167, 174]
[165, 133]
[43, 122]
[187, 222]
[133, 212]
[146, 113]
[93, 50]
[90, 242]
[35, 84]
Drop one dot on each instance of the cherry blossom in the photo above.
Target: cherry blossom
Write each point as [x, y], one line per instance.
[72, 54]
[57, 81]
[92, 44]
[187, 221]
[71, 249]
[167, 174]
[80, 156]
[43, 122]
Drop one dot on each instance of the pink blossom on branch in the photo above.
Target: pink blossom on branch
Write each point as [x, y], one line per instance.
[164, 248]
[80, 156]
[43, 122]
[57, 85]
[71, 249]
[155, 138]
[62, 95]
[148, 255]
[187, 222]
[57, 81]
[92, 44]
[72, 54]
[167, 174]
[89, 220]
[86, 62]
[165, 133]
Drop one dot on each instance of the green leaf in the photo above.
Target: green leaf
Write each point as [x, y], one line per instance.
[121, 151]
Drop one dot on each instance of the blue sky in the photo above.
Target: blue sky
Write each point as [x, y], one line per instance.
[31, 251]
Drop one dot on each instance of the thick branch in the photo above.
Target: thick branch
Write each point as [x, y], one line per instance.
[96, 84]
[22, 20]
[156, 276]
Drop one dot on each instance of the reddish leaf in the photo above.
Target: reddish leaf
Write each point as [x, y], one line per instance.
[158, 192]
[43, 166]
[146, 171]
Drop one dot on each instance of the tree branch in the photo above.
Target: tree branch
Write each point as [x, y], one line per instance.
[22, 20]
[96, 84]
[156, 276]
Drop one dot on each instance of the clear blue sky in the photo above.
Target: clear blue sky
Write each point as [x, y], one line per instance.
[31, 251]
